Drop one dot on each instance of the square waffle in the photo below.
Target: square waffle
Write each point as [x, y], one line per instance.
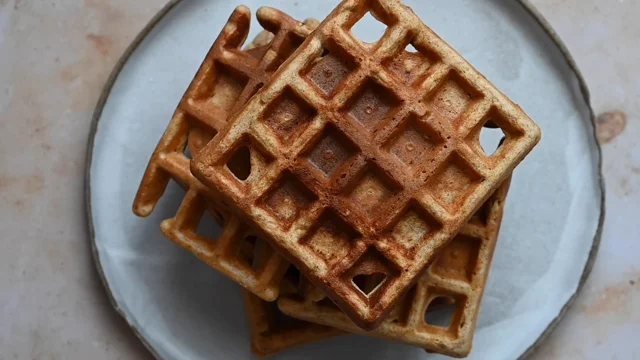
[363, 166]
[227, 78]
[456, 280]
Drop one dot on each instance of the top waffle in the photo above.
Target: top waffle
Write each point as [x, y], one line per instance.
[364, 162]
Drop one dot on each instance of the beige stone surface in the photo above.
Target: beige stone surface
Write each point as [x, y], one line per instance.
[55, 55]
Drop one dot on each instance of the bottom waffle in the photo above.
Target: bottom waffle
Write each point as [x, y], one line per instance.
[272, 331]
[456, 280]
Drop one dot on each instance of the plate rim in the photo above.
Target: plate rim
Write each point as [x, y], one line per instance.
[170, 5]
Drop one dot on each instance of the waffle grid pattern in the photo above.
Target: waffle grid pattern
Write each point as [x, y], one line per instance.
[337, 210]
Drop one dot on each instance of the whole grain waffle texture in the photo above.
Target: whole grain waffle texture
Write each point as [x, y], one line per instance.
[361, 165]
[456, 280]
[227, 78]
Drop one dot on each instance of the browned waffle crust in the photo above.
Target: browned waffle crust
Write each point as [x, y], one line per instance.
[359, 166]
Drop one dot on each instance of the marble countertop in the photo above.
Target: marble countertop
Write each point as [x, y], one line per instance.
[55, 56]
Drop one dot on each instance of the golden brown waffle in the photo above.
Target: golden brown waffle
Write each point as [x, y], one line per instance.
[457, 279]
[360, 165]
[227, 78]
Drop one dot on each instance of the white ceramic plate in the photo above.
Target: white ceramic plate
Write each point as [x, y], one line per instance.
[181, 309]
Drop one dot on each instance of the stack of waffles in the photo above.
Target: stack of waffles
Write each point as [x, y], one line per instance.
[347, 178]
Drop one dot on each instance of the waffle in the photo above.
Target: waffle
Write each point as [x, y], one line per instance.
[227, 78]
[359, 167]
[456, 281]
